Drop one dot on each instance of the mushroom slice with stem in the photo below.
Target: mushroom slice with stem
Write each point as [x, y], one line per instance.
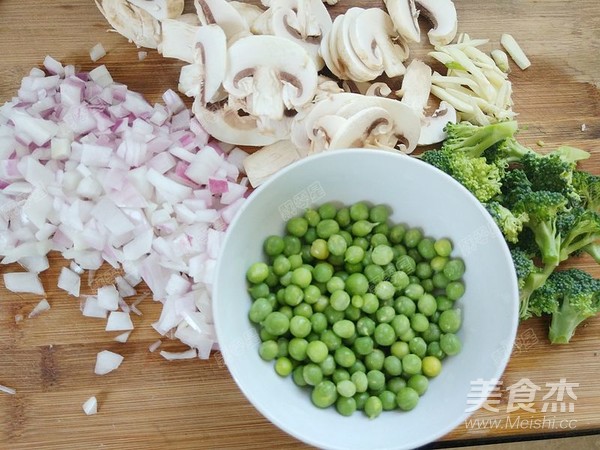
[416, 86]
[178, 40]
[222, 13]
[432, 127]
[260, 165]
[131, 21]
[363, 129]
[379, 89]
[372, 37]
[250, 13]
[442, 13]
[225, 124]
[204, 76]
[404, 15]
[271, 74]
[161, 9]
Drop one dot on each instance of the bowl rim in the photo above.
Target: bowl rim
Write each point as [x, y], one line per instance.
[514, 292]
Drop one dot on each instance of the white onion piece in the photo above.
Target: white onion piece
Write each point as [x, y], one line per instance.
[154, 346]
[25, 282]
[172, 356]
[106, 362]
[119, 321]
[123, 337]
[42, 306]
[19, 318]
[97, 52]
[69, 281]
[97, 173]
[7, 390]
[90, 406]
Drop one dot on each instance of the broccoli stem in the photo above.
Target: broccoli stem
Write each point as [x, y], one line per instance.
[593, 250]
[564, 323]
[533, 282]
[491, 135]
[547, 241]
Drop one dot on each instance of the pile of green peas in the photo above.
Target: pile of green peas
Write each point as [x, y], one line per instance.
[360, 310]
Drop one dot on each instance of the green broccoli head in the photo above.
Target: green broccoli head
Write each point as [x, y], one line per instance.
[579, 229]
[473, 140]
[510, 224]
[437, 158]
[550, 173]
[515, 185]
[506, 152]
[529, 277]
[587, 187]
[578, 297]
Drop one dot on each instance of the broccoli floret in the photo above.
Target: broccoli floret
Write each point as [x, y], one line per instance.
[506, 152]
[479, 177]
[578, 298]
[593, 250]
[588, 189]
[543, 208]
[514, 185]
[530, 278]
[579, 228]
[510, 224]
[474, 140]
[550, 173]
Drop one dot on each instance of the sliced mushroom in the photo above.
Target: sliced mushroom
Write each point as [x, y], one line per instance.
[161, 9]
[190, 19]
[222, 13]
[404, 15]
[178, 40]
[250, 13]
[379, 90]
[432, 127]
[204, 76]
[442, 13]
[372, 39]
[260, 165]
[416, 86]
[131, 21]
[226, 124]
[271, 74]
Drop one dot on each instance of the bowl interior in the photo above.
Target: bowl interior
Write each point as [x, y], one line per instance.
[419, 196]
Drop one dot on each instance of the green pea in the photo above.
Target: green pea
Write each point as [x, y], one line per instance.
[419, 322]
[427, 304]
[414, 291]
[283, 366]
[276, 323]
[373, 407]
[306, 256]
[443, 247]
[440, 280]
[412, 237]
[419, 383]
[317, 351]
[432, 333]
[362, 228]
[257, 273]
[336, 245]
[344, 357]
[374, 360]
[434, 349]
[327, 228]
[392, 365]
[418, 346]
[438, 263]
[268, 350]
[407, 336]
[443, 303]
[312, 374]
[426, 249]
[376, 380]
[431, 366]
[328, 366]
[273, 245]
[292, 245]
[358, 366]
[343, 217]
[370, 303]
[455, 290]
[404, 305]
[388, 400]
[361, 399]
[357, 284]
[300, 326]
[259, 310]
[380, 239]
[450, 344]
[352, 313]
[295, 261]
[318, 322]
[359, 211]
[312, 217]
[399, 280]
[331, 340]
[319, 249]
[385, 314]
[335, 284]
[339, 300]
[285, 280]
[344, 328]
[293, 295]
[281, 265]
[365, 326]
[454, 269]
[346, 388]
[382, 255]
[360, 381]
[297, 348]
[406, 264]
[363, 345]
[399, 349]
[345, 406]
[374, 273]
[384, 290]
[322, 272]
[354, 254]
[298, 376]
[449, 321]
[395, 384]
[411, 364]
[321, 304]
[266, 336]
[353, 268]
[333, 315]
[407, 399]
[282, 345]
[397, 234]
[427, 285]
[423, 270]
[324, 394]
[400, 324]
[340, 374]
[414, 254]
[379, 213]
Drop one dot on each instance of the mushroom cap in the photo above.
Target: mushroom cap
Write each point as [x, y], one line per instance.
[432, 127]
[225, 124]
[161, 9]
[222, 13]
[131, 21]
[404, 15]
[442, 13]
[283, 65]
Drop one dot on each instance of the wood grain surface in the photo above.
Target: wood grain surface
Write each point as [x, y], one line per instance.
[150, 403]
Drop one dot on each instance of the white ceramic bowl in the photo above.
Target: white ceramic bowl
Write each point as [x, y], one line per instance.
[419, 196]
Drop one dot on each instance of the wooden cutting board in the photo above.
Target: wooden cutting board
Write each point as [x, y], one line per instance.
[150, 403]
